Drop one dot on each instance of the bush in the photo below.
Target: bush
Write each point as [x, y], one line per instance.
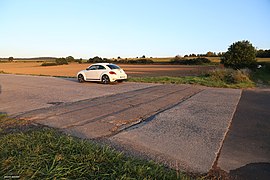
[240, 55]
[230, 76]
[10, 59]
[79, 61]
[137, 61]
[49, 64]
[194, 61]
[61, 61]
[97, 59]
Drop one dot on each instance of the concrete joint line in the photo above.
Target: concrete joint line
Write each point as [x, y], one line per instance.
[214, 165]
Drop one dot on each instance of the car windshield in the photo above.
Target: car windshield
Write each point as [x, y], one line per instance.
[113, 66]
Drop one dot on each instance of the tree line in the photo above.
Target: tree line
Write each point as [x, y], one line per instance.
[263, 53]
[259, 54]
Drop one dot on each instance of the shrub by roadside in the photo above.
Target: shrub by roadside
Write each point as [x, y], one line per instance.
[230, 76]
[226, 78]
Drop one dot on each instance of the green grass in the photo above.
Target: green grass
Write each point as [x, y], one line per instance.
[43, 153]
[262, 76]
[198, 80]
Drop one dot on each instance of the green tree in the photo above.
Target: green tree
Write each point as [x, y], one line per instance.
[263, 53]
[10, 59]
[240, 54]
[70, 59]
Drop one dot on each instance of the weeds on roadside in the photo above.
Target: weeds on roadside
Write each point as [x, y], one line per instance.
[44, 153]
[226, 78]
[230, 76]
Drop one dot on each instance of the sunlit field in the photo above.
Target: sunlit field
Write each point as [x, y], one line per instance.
[70, 70]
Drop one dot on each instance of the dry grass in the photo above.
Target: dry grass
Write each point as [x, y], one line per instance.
[263, 59]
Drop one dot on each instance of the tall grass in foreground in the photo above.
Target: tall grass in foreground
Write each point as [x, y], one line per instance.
[42, 153]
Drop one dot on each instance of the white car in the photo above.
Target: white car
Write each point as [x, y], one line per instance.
[102, 72]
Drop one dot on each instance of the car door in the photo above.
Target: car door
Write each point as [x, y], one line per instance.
[100, 70]
[91, 73]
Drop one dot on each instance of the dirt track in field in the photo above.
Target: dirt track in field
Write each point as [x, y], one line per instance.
[132, 70]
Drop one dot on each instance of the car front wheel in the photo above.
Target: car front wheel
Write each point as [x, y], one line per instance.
[80, 78]
[105, 79]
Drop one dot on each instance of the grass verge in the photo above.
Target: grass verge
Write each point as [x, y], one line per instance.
[34, 152]
[262, 75]
[198, 80]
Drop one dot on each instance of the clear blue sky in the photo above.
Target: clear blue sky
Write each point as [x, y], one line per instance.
[129, 28]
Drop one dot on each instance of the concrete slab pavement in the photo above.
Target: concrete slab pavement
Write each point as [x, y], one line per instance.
[21, 93]
[185, 125]
[107, 115]
[187, 136]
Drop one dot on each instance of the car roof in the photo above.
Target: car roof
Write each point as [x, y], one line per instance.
[101, 64]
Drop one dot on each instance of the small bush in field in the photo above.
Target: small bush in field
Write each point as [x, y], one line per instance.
[61, 61]
[79, 61]
[49, 64]
[194, 61]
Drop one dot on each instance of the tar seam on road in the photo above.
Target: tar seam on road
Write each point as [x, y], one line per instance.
[81, 123]
[214, 165]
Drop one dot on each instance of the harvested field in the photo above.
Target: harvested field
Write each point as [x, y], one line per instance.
[71, 70]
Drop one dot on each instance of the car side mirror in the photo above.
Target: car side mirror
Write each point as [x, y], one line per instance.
[87, 69]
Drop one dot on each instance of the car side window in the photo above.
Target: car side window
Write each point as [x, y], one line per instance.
[100, 67]
[92, 68]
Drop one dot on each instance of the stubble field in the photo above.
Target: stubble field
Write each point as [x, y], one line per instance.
[71, 70]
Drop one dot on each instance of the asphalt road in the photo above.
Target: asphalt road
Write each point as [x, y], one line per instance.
[182, 126]
[246, 150]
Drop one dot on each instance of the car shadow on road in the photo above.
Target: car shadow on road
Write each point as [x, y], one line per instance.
[252, 171]
[89, 82]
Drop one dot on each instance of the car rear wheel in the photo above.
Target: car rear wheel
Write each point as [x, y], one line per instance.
[105, 79]
[80, 78]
